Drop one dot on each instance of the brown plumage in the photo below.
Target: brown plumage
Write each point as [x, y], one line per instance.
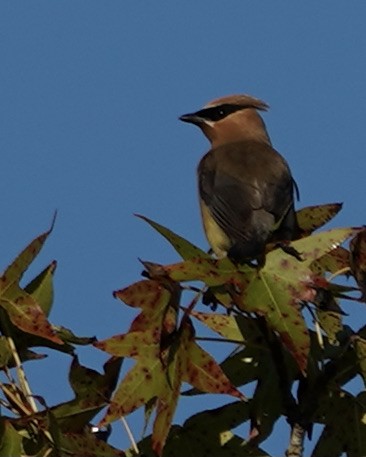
[245, 186]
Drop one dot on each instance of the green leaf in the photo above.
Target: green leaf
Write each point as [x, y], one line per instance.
[92, 392]
[10, 440]
[345, 427]
[184, 248]
[85, 443]
[267, 402]
[360, 348]
[67, 336]
[331, 323]
[208, 434]
[41, 288]
[15, 271]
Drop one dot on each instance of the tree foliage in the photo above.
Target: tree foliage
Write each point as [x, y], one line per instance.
[283, 320]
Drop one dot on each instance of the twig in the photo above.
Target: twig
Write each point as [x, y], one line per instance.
[130, 435]
[296, 446]
[23, 382]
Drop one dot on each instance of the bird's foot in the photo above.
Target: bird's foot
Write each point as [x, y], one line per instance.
[288, 249]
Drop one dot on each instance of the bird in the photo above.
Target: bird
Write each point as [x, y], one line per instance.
[246, 189]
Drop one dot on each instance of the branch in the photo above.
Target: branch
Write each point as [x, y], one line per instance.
[296, 446]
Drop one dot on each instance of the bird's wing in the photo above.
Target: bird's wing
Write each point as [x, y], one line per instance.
[247, 188]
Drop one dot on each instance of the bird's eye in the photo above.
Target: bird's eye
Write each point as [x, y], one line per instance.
[216, 113]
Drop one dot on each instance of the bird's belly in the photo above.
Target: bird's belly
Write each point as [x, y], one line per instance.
[216, 237]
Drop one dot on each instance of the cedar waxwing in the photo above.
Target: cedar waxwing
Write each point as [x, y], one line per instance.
[246, 189]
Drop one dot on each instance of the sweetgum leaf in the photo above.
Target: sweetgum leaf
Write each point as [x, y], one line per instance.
[358, 260]
[208, 434]
[136, 344]
[235, 327]
[25, 313]
[223, 324]
[21, 307]
[6, 354]
[184, 248]
[85, 443]
[204, 373]
[315, 246]
[145, 294]
[212, 272]
[275, 293]
[92, 391]
[10, 440]
[158, 378]
[345, 427]
[360, 348]
[332, 262]
[15, 271]
[143, 382]
[41, 288]
[313, 217]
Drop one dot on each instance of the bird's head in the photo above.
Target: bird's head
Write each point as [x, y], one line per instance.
[230, 119]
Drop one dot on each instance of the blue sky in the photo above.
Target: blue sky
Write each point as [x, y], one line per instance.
[90, 94]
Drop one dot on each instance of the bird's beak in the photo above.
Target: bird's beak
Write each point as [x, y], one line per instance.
[192, 118]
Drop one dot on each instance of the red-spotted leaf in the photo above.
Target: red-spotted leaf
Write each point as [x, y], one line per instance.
[211, 271]
[196, 269]
[205, 374]
[160, 377]
[152, 378]
[229, 327]
[315, 246]
[143, 382]
[168, 399]
[184, 248]
[358, 260]
[153, 298]
[25, 313]
[139, 344]
[145, 294]
[313, 217]
[334, 261]
[276, 292]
